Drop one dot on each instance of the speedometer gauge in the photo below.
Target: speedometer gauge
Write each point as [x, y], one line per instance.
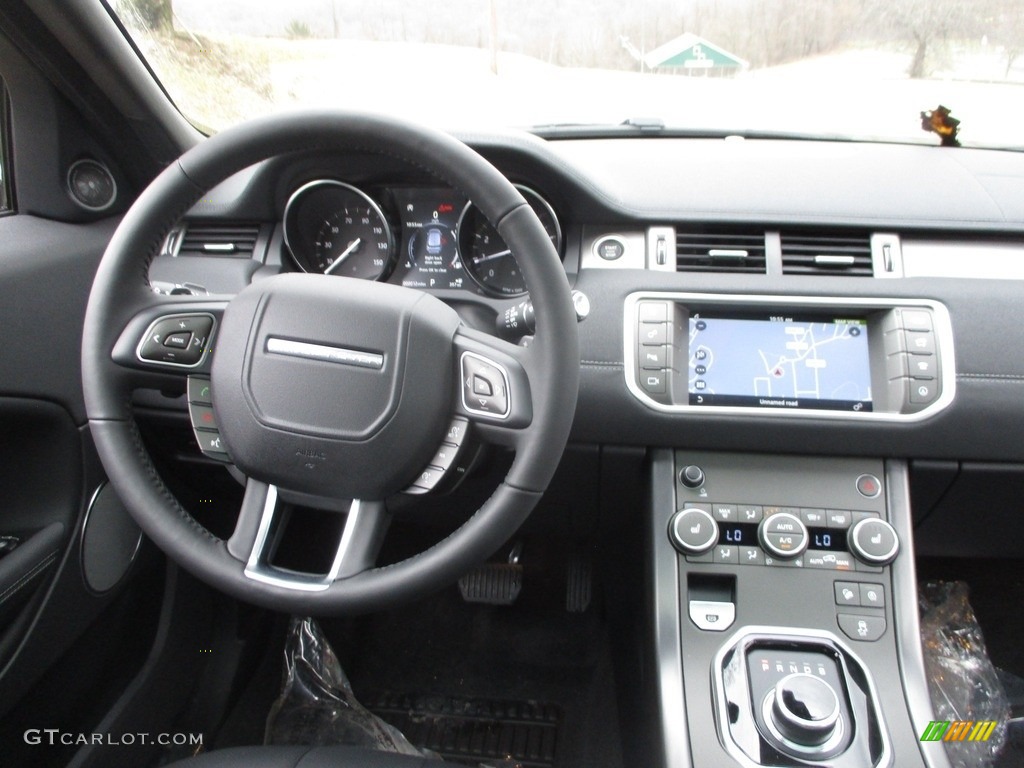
[336, 229]
[487, 258]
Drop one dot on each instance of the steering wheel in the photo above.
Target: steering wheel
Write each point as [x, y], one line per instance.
[329, 391]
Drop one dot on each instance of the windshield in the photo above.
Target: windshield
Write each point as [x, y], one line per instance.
[858, 69]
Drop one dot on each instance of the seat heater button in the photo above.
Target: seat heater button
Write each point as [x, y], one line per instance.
[866, 628]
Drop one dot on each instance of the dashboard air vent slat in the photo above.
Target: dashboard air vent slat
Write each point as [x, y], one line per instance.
[826, 253]
[235, 240]
[719, 250]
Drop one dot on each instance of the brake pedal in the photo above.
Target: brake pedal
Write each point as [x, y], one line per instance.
[494, 583]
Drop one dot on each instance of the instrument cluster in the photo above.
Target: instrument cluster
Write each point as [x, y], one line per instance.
[419, 237]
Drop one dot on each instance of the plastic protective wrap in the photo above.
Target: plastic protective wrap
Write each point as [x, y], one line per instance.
[317, 707]
[962, 681]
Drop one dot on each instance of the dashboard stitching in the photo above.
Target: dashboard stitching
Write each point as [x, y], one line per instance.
[1011, 377]
[601, 364]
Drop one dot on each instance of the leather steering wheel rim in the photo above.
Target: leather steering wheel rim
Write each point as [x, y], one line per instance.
[121, 292]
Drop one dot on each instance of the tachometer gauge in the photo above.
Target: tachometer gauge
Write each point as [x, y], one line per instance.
[487, 258]
[335, 229]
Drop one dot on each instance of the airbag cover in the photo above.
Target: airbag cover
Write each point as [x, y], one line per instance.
[333, 386]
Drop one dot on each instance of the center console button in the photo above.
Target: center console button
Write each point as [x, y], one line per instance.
[857, 627]
[847, 593]
[751, 556]
[783, 535]
[750, 513]
[691, 476]
[725, 553]
[874, 541]
[693, 531]
[838, 518]
[813, 517]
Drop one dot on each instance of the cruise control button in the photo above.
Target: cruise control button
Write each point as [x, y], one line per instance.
[866, 628]
[457, 431]
[445, 456]
[429, 478]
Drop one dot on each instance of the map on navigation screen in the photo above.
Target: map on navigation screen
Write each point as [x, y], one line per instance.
[779, 363]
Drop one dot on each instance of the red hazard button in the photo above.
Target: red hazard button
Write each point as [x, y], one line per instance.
[869, 486]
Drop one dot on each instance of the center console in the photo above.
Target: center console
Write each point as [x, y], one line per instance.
[786, 612]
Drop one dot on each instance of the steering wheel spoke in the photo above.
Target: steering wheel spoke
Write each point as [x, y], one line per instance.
[261, 521]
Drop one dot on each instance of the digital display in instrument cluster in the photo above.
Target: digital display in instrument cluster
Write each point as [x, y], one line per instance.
[429, 253]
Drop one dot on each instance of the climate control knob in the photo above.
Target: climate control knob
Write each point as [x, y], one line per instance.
[874, 541]
[805, 710]
[783, 535]
[693, 531]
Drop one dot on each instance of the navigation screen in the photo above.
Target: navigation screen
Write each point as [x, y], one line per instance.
[779, 362]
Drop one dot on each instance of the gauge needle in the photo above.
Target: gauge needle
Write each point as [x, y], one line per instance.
[492, 256]
[344, 255]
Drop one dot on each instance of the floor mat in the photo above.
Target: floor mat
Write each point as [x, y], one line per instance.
[470, 731]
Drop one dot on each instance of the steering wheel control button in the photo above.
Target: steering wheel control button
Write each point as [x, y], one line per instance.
[711, 615]
[456, 433]
[805, 709]
[199, 391]
[693, 531]
[783, 535]
[178, 340]
[857, 627]
[202, 416]
[691, 476]
[445, 456]
[211, 444]
[869, 486]
[484, 387]
[874, 541]
[429, 478]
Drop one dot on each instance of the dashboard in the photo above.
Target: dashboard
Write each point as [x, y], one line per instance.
[752, 239]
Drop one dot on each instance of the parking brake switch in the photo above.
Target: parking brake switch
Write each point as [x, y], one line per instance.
[712, 601]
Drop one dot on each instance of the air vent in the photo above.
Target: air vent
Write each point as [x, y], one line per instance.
[827, 253]
[719, 250]
[235, 240]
